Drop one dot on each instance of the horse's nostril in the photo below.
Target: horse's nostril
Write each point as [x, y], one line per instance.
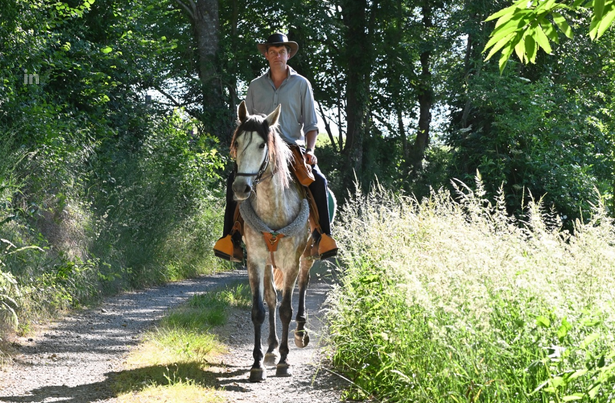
[248, 189]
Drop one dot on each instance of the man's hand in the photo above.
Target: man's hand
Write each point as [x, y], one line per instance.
[310, 158]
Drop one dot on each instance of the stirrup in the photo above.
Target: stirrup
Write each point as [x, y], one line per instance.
[225, 248]
[324, 246]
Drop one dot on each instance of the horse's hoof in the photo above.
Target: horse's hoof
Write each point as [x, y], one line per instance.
[271, 359]
[283, 370]
[302, 338]
[257, 375]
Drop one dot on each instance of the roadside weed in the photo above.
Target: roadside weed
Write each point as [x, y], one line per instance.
[454, 301]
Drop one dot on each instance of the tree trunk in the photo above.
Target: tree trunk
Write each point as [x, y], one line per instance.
[402, 133]
[357, 51]
[425, 97]
[204, 17]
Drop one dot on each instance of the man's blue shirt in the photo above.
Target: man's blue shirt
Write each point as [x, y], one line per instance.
[298, 115]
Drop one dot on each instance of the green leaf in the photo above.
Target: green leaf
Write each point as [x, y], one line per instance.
[509, 33]
[578, 373]
[598, 9]
[512, 26]
[563, 329]
[607, 20]
[549, 30]
[542, 40]
[589, 340]
[545, 7]
[505, 56]
[106, 49]
[530, 47]
[502, 12]
[557, 381]
[520, 51]
[594, 27]
[515, 17]
[594, 390]
[574, 396]
[506, 10]
[503, 42]
[562, 24]
[543, 321]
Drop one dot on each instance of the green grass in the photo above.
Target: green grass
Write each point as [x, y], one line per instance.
[172, 361]
[444, 301]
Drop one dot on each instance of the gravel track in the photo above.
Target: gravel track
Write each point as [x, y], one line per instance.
[74, 359]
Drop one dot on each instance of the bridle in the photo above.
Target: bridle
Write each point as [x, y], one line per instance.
[258, 176]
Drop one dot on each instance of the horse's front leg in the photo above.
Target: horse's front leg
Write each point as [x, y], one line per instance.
[302, 338]
[272, 301]
[286, 314]
[256, 278]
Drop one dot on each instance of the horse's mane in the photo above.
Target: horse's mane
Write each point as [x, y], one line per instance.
[279, 153]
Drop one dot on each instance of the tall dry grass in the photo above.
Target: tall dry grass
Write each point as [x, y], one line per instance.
[451, 299]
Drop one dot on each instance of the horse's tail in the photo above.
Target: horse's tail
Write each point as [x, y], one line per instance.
[278, 279]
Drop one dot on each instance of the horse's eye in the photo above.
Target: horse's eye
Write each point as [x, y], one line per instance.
[262, 146]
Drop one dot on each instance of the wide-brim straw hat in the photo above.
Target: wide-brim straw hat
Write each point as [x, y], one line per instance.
[278, 39]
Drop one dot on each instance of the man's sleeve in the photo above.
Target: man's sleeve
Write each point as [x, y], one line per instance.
[309, 111]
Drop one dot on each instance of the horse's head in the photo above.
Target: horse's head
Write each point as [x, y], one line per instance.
[258, 151]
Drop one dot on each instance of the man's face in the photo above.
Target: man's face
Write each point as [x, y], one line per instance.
[277, 56]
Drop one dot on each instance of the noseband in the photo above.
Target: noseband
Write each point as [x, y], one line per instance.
[258, 175]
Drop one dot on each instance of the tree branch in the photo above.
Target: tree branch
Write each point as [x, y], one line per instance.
[176, 103]
[168, 96]
[327, 127]
[191, 12]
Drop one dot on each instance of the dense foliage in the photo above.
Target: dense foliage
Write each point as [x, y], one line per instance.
[100, 189]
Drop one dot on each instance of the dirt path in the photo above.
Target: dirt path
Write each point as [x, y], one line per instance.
[74, 359]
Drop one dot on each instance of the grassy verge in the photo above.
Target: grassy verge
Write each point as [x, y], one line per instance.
[454, 301]
[171, 363]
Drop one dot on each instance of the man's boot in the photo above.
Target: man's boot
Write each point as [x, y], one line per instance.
[229, 247]
[324, 246]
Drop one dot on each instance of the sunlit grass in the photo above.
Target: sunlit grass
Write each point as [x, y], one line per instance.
[172, 361]
[177, 392]
[448, 300]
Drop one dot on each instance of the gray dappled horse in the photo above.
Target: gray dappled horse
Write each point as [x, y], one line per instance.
[276, 233]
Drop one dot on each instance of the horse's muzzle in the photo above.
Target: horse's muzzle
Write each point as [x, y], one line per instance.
[241, 189]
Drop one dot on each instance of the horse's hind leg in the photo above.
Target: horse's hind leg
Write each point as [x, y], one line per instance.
[271, 298]
[256, 277]
[302, 338]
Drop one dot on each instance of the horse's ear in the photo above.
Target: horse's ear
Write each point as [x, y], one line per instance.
[273, 117]
[242, 112]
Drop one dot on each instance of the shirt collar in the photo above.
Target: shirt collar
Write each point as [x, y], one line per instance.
[291, 72]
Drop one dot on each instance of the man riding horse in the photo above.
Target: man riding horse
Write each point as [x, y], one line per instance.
[281, 85]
